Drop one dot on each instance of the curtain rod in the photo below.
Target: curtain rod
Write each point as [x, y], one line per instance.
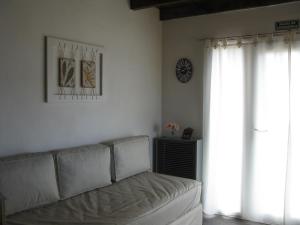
[277, 33]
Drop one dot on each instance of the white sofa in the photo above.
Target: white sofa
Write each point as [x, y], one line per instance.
[98, 184]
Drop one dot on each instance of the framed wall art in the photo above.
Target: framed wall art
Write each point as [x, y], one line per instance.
[88, 74]
[66, 72]
[74, 71]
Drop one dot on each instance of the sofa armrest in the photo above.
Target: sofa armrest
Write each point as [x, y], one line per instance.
[2, 209]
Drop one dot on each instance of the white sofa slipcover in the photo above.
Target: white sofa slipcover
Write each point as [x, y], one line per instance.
[130, 156]
[28, 182]
[82, 169]
[145, 198]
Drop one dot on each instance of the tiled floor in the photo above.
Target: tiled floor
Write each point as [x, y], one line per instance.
[219, 220]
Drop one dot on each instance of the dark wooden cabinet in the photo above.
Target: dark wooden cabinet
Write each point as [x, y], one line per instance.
[178, 157]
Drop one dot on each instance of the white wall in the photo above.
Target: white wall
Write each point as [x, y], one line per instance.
[183, 102]
[132, 73]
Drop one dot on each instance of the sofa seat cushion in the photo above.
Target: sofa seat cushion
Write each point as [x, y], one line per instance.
[28, 181]
[143, 199]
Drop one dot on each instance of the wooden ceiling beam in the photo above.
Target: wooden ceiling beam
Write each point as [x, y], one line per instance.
[210, 6]
[142, 4]
[179, 11]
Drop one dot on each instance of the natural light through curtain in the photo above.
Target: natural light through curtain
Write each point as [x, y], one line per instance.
[267, 169]
[226, 106]
[292, 209]
[251, 131]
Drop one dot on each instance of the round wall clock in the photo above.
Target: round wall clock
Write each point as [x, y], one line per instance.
[184, 70]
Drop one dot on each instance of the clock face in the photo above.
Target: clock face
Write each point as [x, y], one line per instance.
[184, 70]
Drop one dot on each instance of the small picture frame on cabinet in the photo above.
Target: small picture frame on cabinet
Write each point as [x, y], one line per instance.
[187, 133]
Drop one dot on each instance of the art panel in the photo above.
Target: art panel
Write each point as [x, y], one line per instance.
[88, 74]
[74, 71]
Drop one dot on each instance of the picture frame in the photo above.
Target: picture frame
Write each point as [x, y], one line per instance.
[187, 133]
[65, 63]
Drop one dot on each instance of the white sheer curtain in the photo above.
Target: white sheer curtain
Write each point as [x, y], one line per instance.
[252, 131]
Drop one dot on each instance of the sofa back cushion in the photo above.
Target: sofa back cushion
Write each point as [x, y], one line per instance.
[83, 169]
[130, 156]
[28, 181]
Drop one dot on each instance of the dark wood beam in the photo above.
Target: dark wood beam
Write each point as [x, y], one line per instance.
[212, 6]
[142, 4]
[178, 11]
